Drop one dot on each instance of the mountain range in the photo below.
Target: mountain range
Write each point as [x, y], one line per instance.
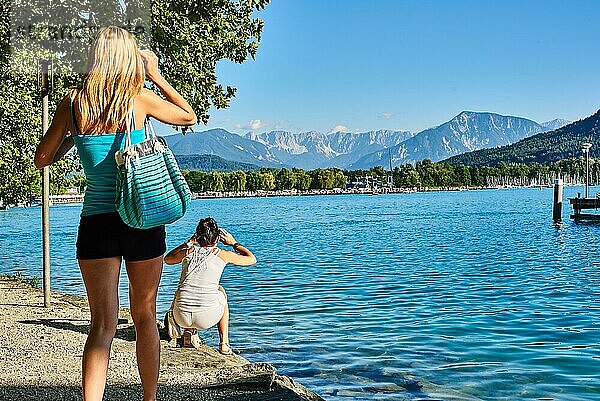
[562, 143]
[310, 150]
[224, 144]
[466, 132]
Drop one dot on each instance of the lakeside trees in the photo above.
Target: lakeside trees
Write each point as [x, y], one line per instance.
[422, 174]
[441, 174]
[190, 38]
[266, 180]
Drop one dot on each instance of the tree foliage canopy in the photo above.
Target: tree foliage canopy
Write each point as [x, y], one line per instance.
[424, 174]
[189, 36]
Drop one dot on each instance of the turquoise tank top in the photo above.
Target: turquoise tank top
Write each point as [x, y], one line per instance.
[97, 155]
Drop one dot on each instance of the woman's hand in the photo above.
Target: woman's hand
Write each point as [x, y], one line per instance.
[150, 64]
[173, 109]
[226, 238]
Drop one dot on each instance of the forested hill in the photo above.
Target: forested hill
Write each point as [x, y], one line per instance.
[212, 163]
[563, 143]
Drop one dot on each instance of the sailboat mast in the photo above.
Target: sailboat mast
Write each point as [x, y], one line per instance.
[390, 176]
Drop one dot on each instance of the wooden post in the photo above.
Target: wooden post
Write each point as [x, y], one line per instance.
[558, 195]
[45, 91]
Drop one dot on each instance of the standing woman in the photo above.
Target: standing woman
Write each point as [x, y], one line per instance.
[94, 118]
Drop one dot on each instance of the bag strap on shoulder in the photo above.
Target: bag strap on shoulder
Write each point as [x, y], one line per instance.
[129, 125]
[149, 129]
[198, 259]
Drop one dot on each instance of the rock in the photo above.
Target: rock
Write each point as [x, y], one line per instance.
[41, 351]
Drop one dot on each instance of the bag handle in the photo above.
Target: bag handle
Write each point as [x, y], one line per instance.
[149, 128]
[129, 125]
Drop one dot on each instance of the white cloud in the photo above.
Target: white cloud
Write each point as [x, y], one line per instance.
[386, 115]
[340, 128]
[256, 124]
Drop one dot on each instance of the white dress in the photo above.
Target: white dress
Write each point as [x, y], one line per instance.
[198, 302]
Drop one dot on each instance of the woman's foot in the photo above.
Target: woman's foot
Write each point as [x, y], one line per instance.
[225, 349]
[190, 339]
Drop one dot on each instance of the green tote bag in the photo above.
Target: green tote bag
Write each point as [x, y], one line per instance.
[151, 190]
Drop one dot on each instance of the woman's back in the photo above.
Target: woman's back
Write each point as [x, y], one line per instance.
[97, 155]
[201, 272]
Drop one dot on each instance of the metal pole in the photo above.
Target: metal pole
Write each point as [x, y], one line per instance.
[558, 194]
[587, 174]
[45, 91]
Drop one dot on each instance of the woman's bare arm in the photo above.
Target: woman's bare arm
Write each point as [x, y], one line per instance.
[64, 148]
[242, 255]
[175, 109]
[55, 143]
[176, 255]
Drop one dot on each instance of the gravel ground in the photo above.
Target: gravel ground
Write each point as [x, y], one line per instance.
[41, 350]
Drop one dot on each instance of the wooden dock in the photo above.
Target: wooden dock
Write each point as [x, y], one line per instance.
[580, 204]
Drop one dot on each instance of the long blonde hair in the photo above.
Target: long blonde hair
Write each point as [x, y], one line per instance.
[115, 75]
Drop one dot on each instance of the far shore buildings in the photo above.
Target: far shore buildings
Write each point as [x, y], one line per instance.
[368, 182]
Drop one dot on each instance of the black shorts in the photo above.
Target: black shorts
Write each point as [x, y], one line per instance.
[105, 235]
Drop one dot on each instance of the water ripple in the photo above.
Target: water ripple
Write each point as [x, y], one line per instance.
[461, 296]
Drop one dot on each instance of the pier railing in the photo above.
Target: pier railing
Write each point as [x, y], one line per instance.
[580, 204]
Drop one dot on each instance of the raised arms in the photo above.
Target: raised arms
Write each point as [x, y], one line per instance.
[242, 255]
[176, 255]
[175, 109]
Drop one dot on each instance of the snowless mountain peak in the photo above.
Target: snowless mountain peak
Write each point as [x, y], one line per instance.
[555, 124]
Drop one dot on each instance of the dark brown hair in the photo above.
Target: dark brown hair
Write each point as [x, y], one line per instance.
[207, 232]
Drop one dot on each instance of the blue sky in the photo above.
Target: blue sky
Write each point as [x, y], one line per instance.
[396, 64]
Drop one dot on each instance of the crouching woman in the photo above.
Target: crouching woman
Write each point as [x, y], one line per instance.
[200, 302]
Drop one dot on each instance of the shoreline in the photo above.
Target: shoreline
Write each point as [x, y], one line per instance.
[51, 341]
[73, 199]
[356, 191]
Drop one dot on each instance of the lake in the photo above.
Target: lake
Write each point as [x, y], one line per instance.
[438, 295]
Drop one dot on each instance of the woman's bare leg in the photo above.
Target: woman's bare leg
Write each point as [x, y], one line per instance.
[101, 279]
[223, 325]
[144, 277]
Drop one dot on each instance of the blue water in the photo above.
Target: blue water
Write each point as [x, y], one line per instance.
[450, 295]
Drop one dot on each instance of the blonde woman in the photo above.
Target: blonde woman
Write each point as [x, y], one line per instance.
[93, 118]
